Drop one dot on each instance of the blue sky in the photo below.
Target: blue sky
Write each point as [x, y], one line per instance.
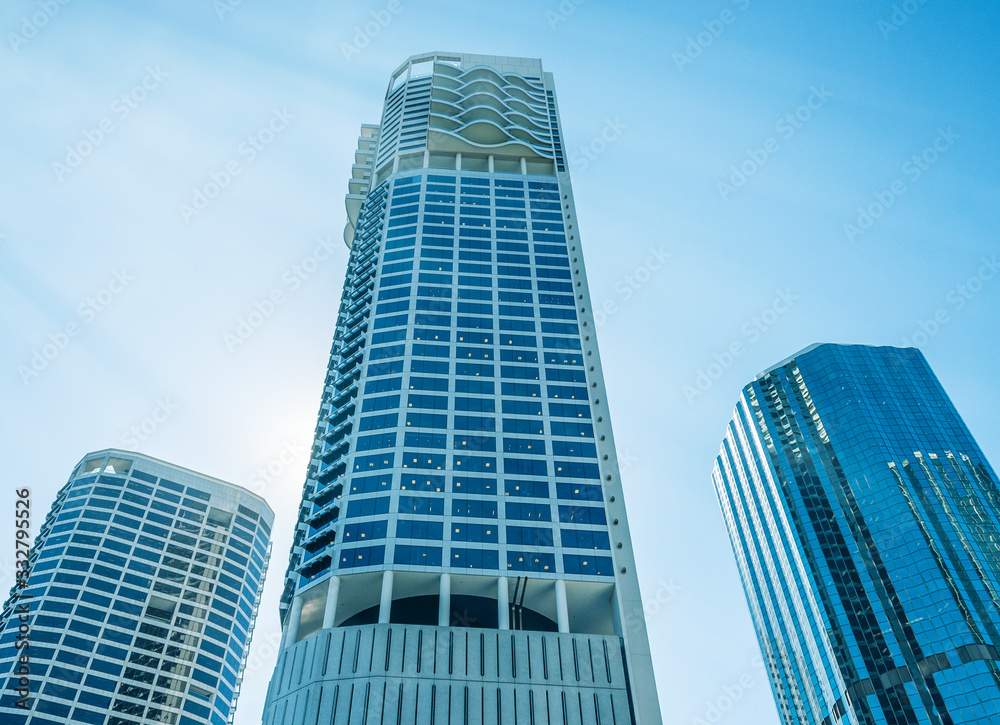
[815, 172]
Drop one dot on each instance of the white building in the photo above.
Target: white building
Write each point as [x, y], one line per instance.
[143, 591]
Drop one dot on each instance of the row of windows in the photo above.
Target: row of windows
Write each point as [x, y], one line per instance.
[473, 485]
[472, 255]
[481, 509]
[519, 297]
[524, 446]
[414, 555]
[431, 334]
[477, 464]
[488, 387]
[508, 406]
[481, 533]
[471, 369]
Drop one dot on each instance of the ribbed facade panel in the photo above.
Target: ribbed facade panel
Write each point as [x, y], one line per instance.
[410, 674]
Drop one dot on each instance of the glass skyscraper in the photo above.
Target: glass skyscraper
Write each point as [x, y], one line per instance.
[141, 599]
[462, 553]
[866, 526]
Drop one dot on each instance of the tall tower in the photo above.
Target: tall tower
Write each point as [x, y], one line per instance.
[462, 553]
[141, 596]
[865, 522]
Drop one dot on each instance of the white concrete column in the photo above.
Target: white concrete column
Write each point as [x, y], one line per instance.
[292, 630]
[458, 162]
[503, 603]
[491, 163]
[444, 601]
[427, 159]
[395, 165]
[332, 594]
[562, 610]
[385, 605]
[524, 166]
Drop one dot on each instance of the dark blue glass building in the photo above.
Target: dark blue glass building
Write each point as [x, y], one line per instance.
[864, 519]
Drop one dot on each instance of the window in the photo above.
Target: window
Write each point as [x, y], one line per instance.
[530, 489]
[364, 531]
[362, 556]
[465, 442]
[486, 533]
[408, 529]
[428, 505]
[426, 420]
[530, 561]
[576, 469]
[422, 483]
[384, 385]
[438, 384]
[581, 539]
[474, 559]
[388, 402]
[376, 442]
[582, 515]
[378, 422]
[474, 486]
[561, 428]
[528, 511]
[524, 407]
[529, 536]
[160, 608]
[472, 508]
[599, 565]
[368, 507]
[407, 554]
[474, 369]
[425, 440]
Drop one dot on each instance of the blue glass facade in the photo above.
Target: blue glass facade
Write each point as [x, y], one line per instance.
[141, 599]
[866, 526]
[463, 474]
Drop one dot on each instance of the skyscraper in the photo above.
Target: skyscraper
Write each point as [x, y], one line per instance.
[865, 522]
[141, 599]
[462, 553]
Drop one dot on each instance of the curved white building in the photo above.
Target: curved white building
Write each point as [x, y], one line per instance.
[141, 599]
